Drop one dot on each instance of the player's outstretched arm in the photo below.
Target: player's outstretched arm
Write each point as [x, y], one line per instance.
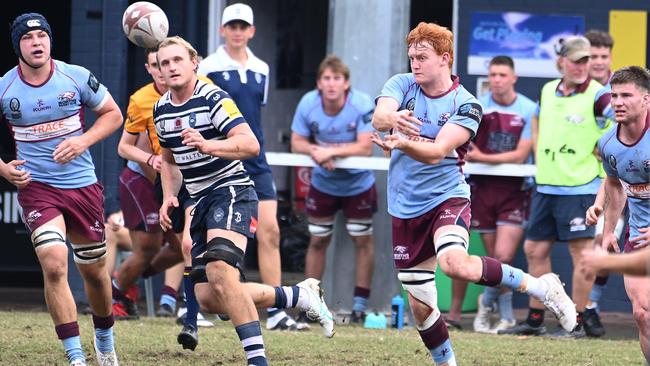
[636, 263]
[240, 143]
[450, 137]
[516, 156]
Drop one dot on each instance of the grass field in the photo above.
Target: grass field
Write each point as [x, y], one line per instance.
[28, 338]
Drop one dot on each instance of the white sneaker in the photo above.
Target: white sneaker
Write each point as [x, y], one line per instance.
[78, 362]
[558, 302]
[105, 359]
[201, 321]
[482, 319]
[503, 324]
[317, 308]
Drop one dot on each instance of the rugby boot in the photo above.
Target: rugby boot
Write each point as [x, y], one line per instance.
[317, 309]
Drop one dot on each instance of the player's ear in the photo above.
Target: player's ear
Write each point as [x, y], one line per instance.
[252, 31]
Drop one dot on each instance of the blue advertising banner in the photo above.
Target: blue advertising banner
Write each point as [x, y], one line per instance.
[530, 39]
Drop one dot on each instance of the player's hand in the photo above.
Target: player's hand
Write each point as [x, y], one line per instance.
[320, 154]
[329, 165]
[610, 243]
[592, 215]
[69, 149]
[115, 221]
[592, 261]
[642, 240]
[167, 207]
[13, 172]
[473, 153]
[406, 123]
[377, 140]
[156, 162]
[193, 138]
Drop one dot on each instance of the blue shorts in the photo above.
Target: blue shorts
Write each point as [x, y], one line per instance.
[231, 208]
[557, 217]
[265, 187]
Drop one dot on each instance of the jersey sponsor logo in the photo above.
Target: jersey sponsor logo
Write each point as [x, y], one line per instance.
[230, 108]
[34, 23]
[32, 216]
[14, 105]
[646, 166]
[443, 118]
[96, 227]
[577, 224]
[631, 167]
[516, 121]
[640, 190]
[47, 130]
[447, 214]
[471, 110]
[152, 218]
[400, 253]
[40, 106]
[188, 157]
[93, 83]
[425, 119]
[67, 98]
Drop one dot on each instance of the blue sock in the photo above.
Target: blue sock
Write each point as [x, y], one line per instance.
[73, 350]
[250, 335]
[168, 300]
[505, 306]
[490, 296]
[286, 297]
[596, 293]
[443, 353]
[360, 304]
[104, 339]
[190, 299]
[511, 277]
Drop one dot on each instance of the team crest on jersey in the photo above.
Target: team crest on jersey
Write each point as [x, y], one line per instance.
[218, 215]
[352, 126]
[178, 124]
[516, 121]
[14, 105]
[400, 252]
[443, 118]
[93, 83]
[258, 77]
[226, 75]
[192, 120]
[612, 161]
[410, 105]
[32, 216]
[646, 166]
[67, 98]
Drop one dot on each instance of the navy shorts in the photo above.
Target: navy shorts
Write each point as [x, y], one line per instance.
[265, 187]
[231, 208]
[557, 217]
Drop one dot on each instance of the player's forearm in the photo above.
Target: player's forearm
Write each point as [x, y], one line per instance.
[301, 147]
[359, 148]
[614, 204]
[635, 263]
[171, 179]
[424, 152]
[133, 153]
[381, 120]
[600, 196]
[508, 157]
[237, 147]
[104, 126]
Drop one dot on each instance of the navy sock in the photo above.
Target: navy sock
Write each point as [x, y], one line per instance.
[190, 299]
[250, 335]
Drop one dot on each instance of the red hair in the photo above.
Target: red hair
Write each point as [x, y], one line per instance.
[440, 38]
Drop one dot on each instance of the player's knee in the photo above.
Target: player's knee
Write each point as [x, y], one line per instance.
[55, 269]
[532, 251]
[421, 285]
[222, 258]
[642, 318]
[321, 229]
[359, 227]
[89, 253]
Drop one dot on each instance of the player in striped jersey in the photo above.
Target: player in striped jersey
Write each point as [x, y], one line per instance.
[203, 137]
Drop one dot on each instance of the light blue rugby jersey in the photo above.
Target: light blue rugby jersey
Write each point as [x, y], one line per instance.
[415, 188]
[631, 165]
[310, 120]
[42, 116]
[248, 86]
[213, 113]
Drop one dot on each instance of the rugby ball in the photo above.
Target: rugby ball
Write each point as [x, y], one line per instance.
[145, 24]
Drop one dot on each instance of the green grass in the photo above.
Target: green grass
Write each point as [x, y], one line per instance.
[29, 339]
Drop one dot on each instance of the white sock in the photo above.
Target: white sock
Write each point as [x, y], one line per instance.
[535, 287]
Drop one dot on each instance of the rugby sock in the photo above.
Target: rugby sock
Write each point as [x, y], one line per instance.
[361, 296]
[505, 306]
[492, 274]
[535, 317]
[68, 333]
[436, 339]
[190, 299]
[275, 316]
[287, 297]
[490, 296]
[250, 335]
[597, 291]
[117, 293]
[511, 276]
[104, 332]
[168, 297]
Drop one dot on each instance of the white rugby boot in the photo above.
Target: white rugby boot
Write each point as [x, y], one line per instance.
[317, 309]
[558, 302]
[106, 359]
[482, 319]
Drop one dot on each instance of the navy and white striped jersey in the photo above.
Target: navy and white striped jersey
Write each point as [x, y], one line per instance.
[213, 113]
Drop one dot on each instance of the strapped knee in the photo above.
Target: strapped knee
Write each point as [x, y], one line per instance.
[359, 227]
[421, 285]
[89, 253]
[222, 249]
[321, 229]
[448, 241]
[47, 235]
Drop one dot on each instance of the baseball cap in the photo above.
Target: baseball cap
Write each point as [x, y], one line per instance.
[237, 11]
[575, 47]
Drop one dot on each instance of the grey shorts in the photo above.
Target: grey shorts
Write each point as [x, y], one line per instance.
[556, 217]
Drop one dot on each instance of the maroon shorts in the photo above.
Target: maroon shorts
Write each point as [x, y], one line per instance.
[82, 208]
[413, 238]
[494, 205]
[361, 206]
[138, 202]
[629, 246]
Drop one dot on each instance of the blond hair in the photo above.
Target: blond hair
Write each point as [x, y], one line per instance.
[176, 40]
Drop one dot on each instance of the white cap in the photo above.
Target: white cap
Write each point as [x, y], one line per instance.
[237, 11]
